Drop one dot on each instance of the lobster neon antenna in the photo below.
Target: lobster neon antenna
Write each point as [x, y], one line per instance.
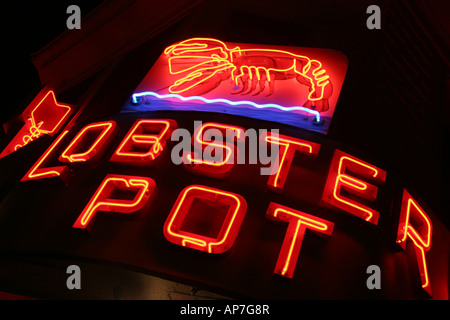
[136, 99]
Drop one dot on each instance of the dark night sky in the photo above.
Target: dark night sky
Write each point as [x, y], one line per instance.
[26, 28]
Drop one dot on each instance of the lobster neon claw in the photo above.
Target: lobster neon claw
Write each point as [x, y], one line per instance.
[136, 99]
[192, 45]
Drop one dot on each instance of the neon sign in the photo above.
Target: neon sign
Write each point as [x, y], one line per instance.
[296, 86]
[351, 187]
[298, 222]
[142, 136]
[38, 171]
[235, 211]
[287, 150]
[102, 200]
[44, 115]
[136, 98]
[104, 131]
[415, 225]
[225, 156]
[244, 66]
[341, 177]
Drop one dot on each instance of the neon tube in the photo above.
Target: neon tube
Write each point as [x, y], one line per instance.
[136, 96]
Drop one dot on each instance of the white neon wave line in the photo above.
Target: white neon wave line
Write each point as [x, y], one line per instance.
[135, 99]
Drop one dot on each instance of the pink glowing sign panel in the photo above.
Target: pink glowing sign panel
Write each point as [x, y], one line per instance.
[292, 85]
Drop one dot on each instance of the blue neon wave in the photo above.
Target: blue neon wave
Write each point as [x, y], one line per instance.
[136, 96]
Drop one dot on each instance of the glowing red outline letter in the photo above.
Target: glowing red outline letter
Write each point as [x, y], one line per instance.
[104, 129]
[193, 163]
[237, 207]
[292, 243]
[340, 178]
[288, 147]
[149, 134]
[100, 201]
[36, 172]
[420, 234]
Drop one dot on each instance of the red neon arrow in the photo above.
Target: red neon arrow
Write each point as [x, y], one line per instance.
[51, 113]
[46, 117]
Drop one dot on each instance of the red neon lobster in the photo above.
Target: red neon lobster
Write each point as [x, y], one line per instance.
[205, 63]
